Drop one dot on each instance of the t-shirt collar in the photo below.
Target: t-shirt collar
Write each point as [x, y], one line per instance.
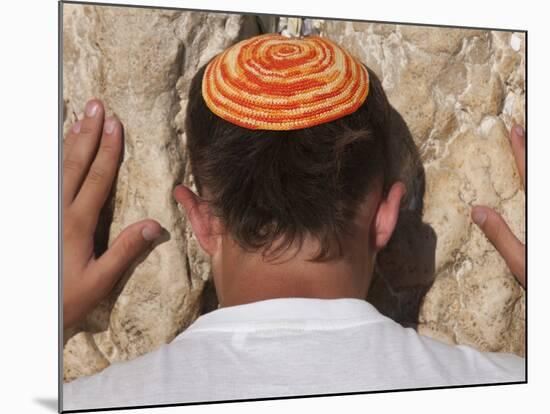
[302, 313]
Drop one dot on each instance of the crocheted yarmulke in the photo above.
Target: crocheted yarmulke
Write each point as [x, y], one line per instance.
[278, 83]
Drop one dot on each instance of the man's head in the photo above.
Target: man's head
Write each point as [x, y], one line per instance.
[306, 198]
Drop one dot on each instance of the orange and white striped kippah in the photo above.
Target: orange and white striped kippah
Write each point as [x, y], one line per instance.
[278, 83]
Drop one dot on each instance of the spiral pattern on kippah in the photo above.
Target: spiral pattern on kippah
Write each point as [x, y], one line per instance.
[278, 83]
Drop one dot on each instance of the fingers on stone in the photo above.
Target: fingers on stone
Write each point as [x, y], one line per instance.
[99, 180]
[92, 122]
[83, 149]
[518, 148]
[126, 248]
[503, 239]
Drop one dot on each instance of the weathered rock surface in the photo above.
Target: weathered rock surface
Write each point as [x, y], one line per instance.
[457, 92]
[140, 62]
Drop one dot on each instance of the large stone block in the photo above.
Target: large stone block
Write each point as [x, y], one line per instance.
[458, 91]
[140, 63]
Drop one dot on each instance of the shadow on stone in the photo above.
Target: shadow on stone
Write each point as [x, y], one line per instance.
[49, 403]
[405, 268]
[209, 297]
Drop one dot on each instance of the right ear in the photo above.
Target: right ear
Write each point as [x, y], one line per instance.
[387, 215]
[199, 215]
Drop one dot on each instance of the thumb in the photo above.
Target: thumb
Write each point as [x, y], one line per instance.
[505, 242]
[127, 247]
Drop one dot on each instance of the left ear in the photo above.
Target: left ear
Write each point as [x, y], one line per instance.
[387, 215]
[201, 220]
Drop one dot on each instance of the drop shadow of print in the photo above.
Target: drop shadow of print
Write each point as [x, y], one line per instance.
[405, 269]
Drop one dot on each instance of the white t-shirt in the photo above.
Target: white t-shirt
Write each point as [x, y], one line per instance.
[285, 347]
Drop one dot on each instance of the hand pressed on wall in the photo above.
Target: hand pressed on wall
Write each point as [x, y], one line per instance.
[91, 155]
[494, 226]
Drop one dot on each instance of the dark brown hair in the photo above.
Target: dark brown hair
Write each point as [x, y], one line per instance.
[286, 185]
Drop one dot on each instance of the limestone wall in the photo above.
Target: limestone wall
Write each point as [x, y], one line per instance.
[458, 91]
[455, 93]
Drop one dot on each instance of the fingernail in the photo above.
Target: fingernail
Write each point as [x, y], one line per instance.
[91, 109]
[150, 233]
[109, 126]
[479, 216]
[518, 129]
[76, 127]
